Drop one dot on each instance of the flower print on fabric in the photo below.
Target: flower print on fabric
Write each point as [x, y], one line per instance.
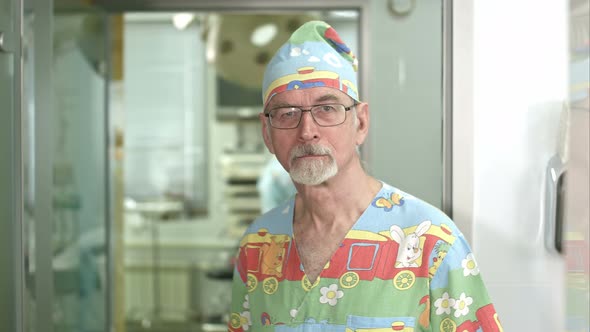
[444, 304]
[245, 320]
[246, 303]
[331, 294]
[462, 305]
[470, 265]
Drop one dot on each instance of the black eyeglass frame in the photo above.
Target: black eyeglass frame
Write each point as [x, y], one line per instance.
[346, 109]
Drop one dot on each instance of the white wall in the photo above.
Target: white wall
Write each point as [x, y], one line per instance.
[509, 88]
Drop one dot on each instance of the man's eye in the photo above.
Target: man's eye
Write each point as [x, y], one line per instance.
[327, 108]
[286, 113]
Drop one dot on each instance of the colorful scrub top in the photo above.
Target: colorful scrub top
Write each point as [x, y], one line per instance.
[403, 266]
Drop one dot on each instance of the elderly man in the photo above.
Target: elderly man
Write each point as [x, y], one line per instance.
[348, 252]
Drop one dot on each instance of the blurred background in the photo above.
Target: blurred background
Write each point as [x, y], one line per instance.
[132, 156]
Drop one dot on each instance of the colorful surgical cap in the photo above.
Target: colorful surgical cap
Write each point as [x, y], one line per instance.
[314, 56]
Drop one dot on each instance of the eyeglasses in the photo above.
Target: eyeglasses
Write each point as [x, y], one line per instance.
[327, 115]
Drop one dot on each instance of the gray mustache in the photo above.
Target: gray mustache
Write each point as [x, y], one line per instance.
[309, 150]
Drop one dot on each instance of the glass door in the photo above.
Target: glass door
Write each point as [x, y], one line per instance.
[64, 167]
[193, 154]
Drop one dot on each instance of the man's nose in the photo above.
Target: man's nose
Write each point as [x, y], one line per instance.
[308, 128]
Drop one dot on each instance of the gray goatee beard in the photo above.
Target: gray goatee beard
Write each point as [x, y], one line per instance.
[311, 171]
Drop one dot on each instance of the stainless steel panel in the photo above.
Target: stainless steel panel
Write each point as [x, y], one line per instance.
[11, 256]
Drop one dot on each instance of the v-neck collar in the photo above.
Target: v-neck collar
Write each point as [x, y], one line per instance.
[354, 225]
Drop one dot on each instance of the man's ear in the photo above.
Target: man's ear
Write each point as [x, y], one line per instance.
[266, 132]
[362, 129]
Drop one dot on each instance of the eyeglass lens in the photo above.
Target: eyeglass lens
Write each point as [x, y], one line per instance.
[324, 115]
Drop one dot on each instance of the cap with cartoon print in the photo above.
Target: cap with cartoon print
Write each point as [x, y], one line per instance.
[314, 56]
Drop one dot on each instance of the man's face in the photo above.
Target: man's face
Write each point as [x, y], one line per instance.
[311, 153]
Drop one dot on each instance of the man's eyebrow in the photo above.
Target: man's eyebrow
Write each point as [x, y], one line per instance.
[279, 105]
[328, 97]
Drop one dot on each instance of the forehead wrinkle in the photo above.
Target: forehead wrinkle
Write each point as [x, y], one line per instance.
[279, 101]
[327, 97]
[276, 102]
[280, 105]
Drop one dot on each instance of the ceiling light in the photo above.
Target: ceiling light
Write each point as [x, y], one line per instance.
[264, 34]
[182, 20]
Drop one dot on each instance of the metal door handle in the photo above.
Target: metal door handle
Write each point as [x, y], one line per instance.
[2, 49]
[553, 224]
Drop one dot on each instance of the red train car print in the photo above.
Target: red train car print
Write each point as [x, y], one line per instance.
[263, 259]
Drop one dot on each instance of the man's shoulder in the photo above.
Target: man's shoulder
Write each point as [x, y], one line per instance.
[275, 221]
[409, 208]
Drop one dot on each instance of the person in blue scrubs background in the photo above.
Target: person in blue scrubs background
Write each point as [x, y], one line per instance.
[274, 185]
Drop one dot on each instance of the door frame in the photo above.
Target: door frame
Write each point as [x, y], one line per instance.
[11, 202]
